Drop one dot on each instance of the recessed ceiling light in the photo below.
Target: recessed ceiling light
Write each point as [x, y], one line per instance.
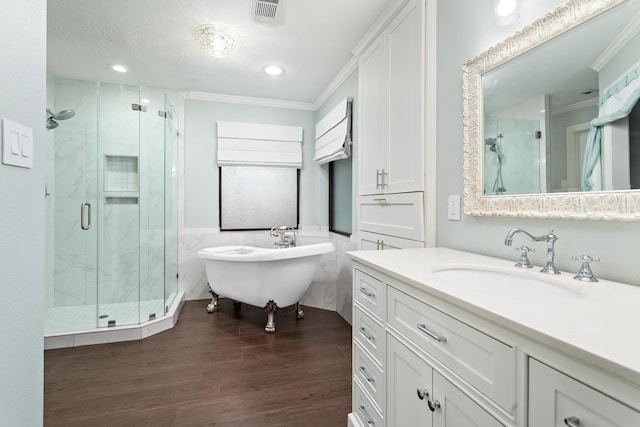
[273, 70]
[119, 68]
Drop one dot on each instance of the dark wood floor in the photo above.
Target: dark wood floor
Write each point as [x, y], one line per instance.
[217, 369]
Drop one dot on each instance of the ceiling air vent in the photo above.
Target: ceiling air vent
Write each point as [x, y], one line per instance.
[268, 12]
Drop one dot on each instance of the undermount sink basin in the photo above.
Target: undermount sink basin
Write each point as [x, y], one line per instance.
[505, 284]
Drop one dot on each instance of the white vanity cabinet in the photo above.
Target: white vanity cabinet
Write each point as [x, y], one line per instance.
[390, 146]
[557, 399]
[428, 352]
[419, 396]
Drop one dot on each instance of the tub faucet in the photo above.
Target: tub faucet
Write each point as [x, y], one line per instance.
[550, 240]
[286, 236]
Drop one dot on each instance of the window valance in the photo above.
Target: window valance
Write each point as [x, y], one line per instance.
[254, 144]
[333, 134]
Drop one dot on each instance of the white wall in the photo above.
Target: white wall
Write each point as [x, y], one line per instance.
[22, 85]
[465, 29]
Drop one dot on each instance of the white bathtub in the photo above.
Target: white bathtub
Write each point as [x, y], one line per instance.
[268, 278]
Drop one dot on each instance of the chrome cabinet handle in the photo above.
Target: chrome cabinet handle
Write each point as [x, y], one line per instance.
[82, 210]
[378, 175]
[423, 393]
[366, 416]
[433, 405]
[366, 376]
[430, 334]
[365, 292]
[364, 332]
[572, 421]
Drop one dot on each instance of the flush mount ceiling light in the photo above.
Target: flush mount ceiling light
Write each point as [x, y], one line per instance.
[506, 12]
[273, 70]
[119, 68]
[217, 39]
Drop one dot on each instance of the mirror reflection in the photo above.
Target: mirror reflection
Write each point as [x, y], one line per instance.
[564, 117]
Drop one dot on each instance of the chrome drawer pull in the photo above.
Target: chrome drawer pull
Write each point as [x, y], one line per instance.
[433, 405]
[364, 332]
[366, 376]
[572, 421]
[365, 292]
[423, 393]
[366, 416]
[432, 335]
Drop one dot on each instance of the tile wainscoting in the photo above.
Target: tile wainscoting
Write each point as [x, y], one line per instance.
[331, 286]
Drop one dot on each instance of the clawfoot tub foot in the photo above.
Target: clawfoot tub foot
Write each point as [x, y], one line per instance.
[214, 302]
[299, 312]
[271, 307]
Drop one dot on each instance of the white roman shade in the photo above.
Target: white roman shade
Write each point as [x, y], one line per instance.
[333, 134]
[253, 144]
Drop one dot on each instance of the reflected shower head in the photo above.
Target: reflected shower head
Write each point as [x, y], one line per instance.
[491, 142]
[61, 115]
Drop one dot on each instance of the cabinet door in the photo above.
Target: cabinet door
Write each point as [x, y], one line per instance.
[405, 153]
[456, 408]
[373, 109]
[558, 400]
[406, 374]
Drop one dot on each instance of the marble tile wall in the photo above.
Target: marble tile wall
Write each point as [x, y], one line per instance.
[122, 259]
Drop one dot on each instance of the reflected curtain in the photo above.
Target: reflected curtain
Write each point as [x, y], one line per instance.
[614, 105]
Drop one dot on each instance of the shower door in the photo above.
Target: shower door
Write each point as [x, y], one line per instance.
[119, 211]
[71, 210]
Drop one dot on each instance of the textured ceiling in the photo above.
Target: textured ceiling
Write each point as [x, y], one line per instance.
[154, 39]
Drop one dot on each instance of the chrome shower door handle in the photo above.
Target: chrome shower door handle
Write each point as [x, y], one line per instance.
[85, 207]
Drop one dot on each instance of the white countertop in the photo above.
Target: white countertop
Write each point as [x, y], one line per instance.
[598, 322]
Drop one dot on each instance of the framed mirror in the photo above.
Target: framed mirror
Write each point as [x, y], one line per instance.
[540, 138]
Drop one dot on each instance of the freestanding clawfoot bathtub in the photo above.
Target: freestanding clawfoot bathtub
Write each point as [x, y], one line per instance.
[268, 278]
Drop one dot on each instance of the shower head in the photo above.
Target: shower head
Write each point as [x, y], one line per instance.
[61, 115]
[51, 124]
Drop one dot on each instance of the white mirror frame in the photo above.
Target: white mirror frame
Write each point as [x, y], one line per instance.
[604, 205]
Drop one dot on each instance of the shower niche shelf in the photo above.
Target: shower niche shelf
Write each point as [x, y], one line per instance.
[121, 173]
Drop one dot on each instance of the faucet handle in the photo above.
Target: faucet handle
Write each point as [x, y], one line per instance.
[523, 262]
[584, 273]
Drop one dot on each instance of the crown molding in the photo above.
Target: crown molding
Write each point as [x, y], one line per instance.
[617, 44]
[378, 26]
[577, 106]
[340, 78]
[247, 100]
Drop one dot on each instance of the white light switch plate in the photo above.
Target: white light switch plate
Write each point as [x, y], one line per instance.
[453, 207]
[17, 144]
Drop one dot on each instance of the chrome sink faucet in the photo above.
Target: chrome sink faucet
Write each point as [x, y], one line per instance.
[550, 240]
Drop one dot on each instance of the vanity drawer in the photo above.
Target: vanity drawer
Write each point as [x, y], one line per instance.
[399, 215]
[369, 375]
[484, 362]
[365, 410]
[557, 400]
[369, 334]
[369, 292]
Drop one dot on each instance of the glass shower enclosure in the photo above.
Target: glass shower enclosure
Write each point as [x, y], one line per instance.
[111, 200]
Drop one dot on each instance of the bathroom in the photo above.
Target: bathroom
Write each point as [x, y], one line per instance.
[464, 29]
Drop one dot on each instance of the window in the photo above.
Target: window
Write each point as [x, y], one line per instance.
[340, 200]
[258, 198]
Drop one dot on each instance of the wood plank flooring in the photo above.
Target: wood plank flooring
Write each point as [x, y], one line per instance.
[217, 369]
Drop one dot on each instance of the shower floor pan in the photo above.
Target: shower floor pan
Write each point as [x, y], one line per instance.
[76, 326]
